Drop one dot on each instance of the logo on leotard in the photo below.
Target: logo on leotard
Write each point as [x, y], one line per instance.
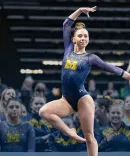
[71, 65]
[13, 137]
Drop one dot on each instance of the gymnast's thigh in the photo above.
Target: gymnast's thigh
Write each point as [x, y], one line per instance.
[59, 107]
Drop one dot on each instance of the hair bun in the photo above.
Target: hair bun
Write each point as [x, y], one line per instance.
[79, 25]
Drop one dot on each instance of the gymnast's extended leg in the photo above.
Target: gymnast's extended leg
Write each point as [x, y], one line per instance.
[86, 109]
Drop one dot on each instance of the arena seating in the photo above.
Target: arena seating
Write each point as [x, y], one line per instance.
[36, 31]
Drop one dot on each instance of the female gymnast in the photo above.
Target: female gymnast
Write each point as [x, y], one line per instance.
[114, 136]
[75, 68]
[15, 134]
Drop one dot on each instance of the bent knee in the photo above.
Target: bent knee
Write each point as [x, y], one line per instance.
[90, 138]
[43, 113]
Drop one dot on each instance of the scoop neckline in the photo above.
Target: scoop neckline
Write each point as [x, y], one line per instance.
[80, 53]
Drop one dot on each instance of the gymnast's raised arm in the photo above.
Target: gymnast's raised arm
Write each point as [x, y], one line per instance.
[68, 44]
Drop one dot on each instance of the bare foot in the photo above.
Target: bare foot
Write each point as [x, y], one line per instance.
[74, 135]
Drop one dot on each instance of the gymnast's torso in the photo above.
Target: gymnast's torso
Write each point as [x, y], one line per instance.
[76, 67]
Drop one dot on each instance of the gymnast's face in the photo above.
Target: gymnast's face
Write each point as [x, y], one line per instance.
[99, 112]
[127, 103]
[37, 104]
[81, 38]
[24, 111]
[14, 109]
[9, 94]
[116, 114]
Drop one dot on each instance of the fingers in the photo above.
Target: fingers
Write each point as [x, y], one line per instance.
[94, 8]
[87, 10]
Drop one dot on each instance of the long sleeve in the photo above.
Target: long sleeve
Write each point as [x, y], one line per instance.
[96, 61]
[68, 45]
[102, 143]
[31, 139]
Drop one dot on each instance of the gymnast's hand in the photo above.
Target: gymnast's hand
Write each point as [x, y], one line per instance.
[87, 10]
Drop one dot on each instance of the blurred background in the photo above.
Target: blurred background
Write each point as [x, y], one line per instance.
[31, 39]
[31, 52]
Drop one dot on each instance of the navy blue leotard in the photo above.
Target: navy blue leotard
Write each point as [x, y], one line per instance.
[17, 138]
[76, 67]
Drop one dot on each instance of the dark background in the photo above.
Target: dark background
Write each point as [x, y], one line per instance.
[109, 30]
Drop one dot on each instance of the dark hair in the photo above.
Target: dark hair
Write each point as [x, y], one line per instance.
[14, 99]
[106, 102]
[78, 25]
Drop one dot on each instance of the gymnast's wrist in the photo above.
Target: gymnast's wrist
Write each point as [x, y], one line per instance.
[80, 10]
